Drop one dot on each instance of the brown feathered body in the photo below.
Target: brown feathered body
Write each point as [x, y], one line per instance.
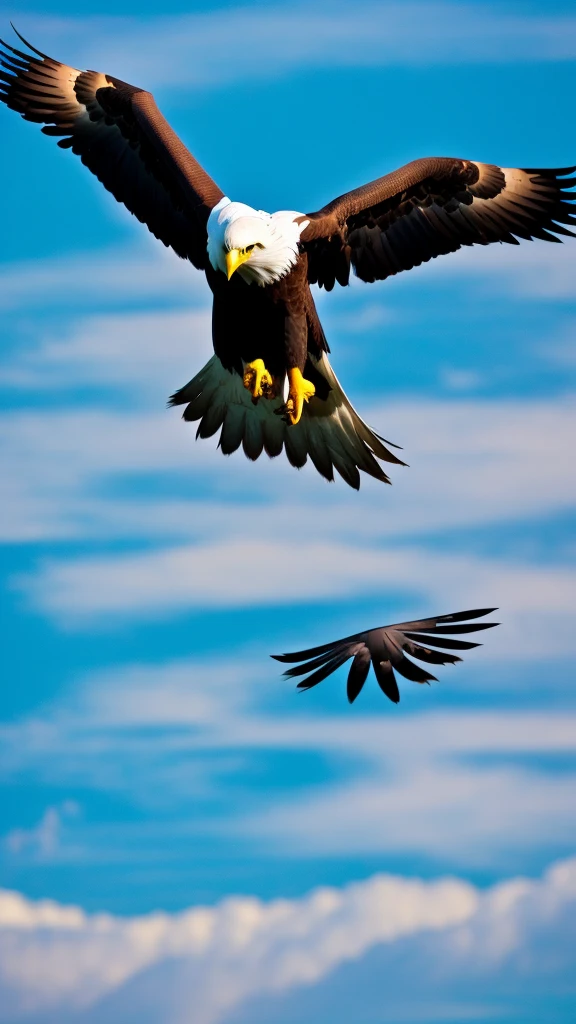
[277, 322]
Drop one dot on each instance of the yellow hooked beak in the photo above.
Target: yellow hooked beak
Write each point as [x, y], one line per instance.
[235, 258]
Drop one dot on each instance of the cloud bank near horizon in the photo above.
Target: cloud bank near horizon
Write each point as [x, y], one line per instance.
[58, 960]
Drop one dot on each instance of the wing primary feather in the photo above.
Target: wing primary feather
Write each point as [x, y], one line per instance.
[26, 43]
[309, 666]
[386, 679]
[358, 673]
[476, 613]
[404, 666]
[313, 651]
[416, 650]
[326, 670]
[472, 627]
[437, 641]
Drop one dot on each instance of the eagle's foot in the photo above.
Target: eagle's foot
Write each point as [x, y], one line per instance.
[300, 390]
[258, 381]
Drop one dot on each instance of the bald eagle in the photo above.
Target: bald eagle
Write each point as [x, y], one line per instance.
[385, 648]
[270, 384]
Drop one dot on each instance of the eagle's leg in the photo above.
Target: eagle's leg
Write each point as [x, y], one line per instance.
[300, 390]
[257, 379]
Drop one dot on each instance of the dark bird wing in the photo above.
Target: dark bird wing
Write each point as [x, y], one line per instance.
[118, 132]
[428, 640]
[431, 207]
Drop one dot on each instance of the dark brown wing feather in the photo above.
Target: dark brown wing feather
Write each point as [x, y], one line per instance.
[431, 207]
[358, 673]
[386, 648]
[121, 136]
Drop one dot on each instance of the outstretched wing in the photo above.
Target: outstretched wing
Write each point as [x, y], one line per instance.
[386, 648]
[119, 133]
[431, 207]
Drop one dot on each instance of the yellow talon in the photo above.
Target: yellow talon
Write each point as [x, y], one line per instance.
[300, 391]
[257, 379]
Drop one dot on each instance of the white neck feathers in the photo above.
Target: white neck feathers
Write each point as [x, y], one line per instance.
[274, 237]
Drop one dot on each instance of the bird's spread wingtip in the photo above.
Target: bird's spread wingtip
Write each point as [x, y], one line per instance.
[391, 650]
[26, 43]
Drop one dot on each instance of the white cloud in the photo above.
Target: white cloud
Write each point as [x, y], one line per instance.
[533, 270]
[86, 735]
[450, 785]
[149, 273]
[477, 461]
[143, 354]
[487, 813]
[61, 959]
[44, 838]
[535, 601]
[465, 788]
[561, 351]
[55, 466]
[454, 379]
[472, 463]
[202, 50]
[227, 574]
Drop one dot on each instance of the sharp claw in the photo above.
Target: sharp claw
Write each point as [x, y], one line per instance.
[301, 390]
[257, 380]
[281, 412]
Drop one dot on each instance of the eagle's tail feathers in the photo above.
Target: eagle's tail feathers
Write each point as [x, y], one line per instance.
[233, 429]
[330, 431]
[274, 430]
[214, 416]
[253, 441]
[296, 444]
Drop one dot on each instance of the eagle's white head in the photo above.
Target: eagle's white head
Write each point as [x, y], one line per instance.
[262, 247]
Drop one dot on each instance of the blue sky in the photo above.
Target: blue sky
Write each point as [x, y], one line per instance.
[153, 759]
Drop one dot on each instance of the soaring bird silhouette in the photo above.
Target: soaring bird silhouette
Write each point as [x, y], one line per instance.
[385, 648]
[270, 384]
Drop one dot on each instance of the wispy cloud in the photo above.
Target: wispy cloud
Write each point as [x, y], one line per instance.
[144, 354]
[151, 275]
[561, 351]
[201, 50]
[534, 270]
[458, 787]
[451, 785]
[102, 279]
[57, 958]
[43, 839]
[419, 810]
[475, 461]
[536, 600]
